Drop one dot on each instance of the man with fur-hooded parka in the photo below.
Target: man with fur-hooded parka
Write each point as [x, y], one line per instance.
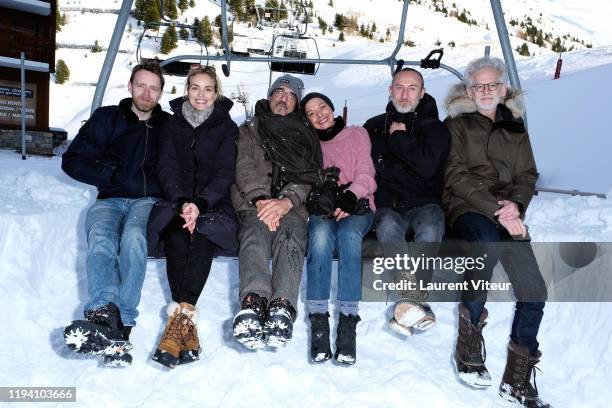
[489, 160]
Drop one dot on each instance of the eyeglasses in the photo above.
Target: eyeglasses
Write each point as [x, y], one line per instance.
[492, 86]
[280, 92]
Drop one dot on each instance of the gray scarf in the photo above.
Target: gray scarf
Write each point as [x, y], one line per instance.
[195, 117]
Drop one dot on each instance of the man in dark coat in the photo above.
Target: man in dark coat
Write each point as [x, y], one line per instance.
[279, 157]
[409, 148]
[116, 152]
[489, 181]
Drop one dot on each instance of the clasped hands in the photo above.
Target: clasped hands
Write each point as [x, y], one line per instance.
[271, 211]
[509, 217]
[190, 213]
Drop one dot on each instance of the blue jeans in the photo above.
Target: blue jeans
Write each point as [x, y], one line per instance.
[324, 236]
[117, 253]
[521, 267]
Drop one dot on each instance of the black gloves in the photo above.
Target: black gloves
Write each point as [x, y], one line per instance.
[347, 201]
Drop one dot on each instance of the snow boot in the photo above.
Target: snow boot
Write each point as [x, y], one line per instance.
[248, 322]
[411, 317]
[346, 343]
[121, 358]
[516, 384]
[169, 348]
[278, 328]
[101, 333]
[470, 351]
[190, 346]
[319, 337]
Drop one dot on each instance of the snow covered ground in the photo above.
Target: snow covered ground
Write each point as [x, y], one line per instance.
[42, 242]
[43, 287]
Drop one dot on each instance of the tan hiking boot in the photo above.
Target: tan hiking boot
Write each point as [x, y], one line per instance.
[169, 348]
[190, 346]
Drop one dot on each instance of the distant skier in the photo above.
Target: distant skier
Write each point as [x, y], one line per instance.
[409, 148]
[279, 157]
[489, 181]
[116, 151]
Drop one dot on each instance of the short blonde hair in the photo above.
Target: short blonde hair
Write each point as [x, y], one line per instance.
[206, 70]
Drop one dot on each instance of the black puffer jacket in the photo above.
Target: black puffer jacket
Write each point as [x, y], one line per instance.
[197, 165]
[116, 152]
[409, 164]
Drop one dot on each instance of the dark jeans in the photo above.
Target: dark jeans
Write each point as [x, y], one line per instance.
[427, 223]
[188, 261]
[521, 267]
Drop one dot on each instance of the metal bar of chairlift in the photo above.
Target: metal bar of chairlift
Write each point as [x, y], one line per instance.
[400, 37]
[228, 53]
[23, 108]
[504, 40]
[111, 53]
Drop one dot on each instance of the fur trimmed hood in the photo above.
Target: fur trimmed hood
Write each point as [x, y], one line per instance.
[458, 102]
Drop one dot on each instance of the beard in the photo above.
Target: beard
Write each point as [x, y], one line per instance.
[279, 108]
[488, 105]
[405, 108]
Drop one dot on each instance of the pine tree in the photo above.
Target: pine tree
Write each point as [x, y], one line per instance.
[237, 7]
[170, 9]
[206, 32]
[183, 5]
[339, 22]
[322, 25]
[151, 12]
[373, 29]
[62, 73]
[173, 91]
[557, 47]
[96, 47]
[523, 50]
[184, 34]
[341, 37]
[139, 9]
[173, 35]
[168, 41]
[192, 3]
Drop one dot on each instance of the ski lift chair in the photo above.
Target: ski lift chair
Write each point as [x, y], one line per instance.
[292, 51]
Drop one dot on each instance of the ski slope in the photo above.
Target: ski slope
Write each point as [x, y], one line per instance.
[42, 247]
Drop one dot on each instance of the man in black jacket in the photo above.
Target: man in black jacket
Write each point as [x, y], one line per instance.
[409, 148]
[116, 152]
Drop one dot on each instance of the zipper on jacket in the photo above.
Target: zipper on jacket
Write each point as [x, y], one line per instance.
[144, 176]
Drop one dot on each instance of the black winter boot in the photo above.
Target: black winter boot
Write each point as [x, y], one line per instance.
[122, 358]
[346, 344]
[278, 327]
[319, 337]
[249, 322]
[102, 332]
[470, 351]
[516, 383]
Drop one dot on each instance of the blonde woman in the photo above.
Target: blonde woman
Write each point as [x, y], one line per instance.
[196, 167]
